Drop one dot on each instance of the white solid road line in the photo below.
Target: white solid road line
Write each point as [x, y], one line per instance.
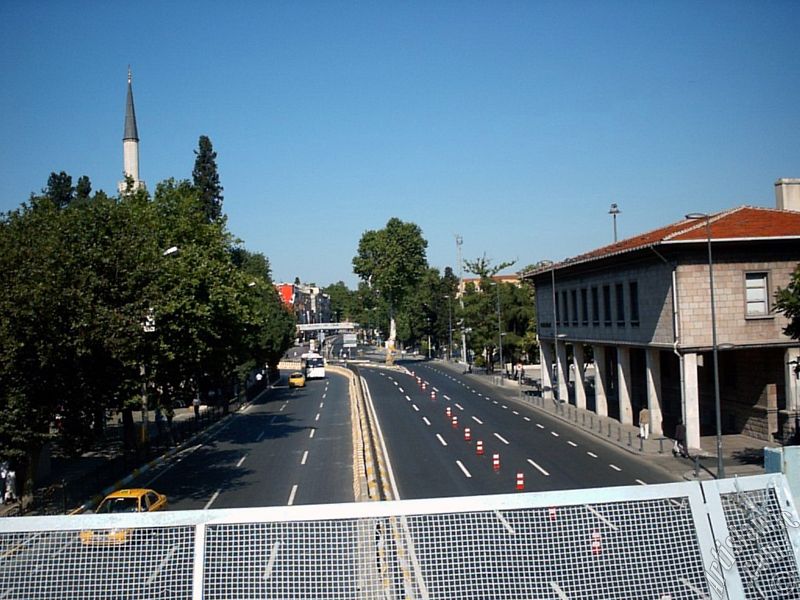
[463, 469]
[292, 495]
[241, 460]
[305, 458]
[441, 439]
[541, 470]
[214, 497]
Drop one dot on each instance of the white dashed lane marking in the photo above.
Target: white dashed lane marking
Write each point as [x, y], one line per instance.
[477, 420]
[441, 439]
[573, 444]
[463, 469]
[501, 438]
[615, 467]
[592, 454]
[541, 470]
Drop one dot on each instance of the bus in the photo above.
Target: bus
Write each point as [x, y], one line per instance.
[312, 365]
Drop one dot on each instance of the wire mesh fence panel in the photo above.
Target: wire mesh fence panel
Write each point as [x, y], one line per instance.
[644, 549]
[759, 542]
[99, 563]
[662, 542]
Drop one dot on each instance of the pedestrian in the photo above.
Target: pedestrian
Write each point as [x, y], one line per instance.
[644, 423]
[196, 405]
[10, 493]
[679, 447]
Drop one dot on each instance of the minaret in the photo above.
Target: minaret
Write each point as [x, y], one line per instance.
[130, 143]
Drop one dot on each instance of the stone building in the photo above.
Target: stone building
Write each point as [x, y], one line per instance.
[639, 313]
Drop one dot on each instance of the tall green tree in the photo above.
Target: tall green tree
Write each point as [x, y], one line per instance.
[59, 189]
[83, 189]
[392, 261]
[206, 179]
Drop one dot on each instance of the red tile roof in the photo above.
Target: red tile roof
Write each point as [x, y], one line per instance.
[742, 223]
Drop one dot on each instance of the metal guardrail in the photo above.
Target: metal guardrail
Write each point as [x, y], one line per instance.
[729, 539]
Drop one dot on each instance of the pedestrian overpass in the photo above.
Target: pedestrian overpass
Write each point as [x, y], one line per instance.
[342, 327]
[727, 539]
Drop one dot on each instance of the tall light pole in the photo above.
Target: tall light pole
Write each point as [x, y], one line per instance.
[555, 326]
[718, 410]
[450, 326]
[500, 330]
[464, 352]
[614, 211]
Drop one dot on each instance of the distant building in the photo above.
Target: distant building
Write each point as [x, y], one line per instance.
[309, 303]
[130, 145]
[641, 308]
[476, 281]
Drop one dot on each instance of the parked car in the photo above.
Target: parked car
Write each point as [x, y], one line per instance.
[123, 501]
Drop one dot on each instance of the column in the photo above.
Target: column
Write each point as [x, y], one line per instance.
[791, 356]
[624, 379]
[653, 365]
[600, 399]
[563, 371]
[546, 369]
[579, 367]
[691, 401]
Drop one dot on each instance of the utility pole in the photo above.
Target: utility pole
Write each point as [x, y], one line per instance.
[464, 353]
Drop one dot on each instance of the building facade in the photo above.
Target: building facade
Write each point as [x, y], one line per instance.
[639, 312]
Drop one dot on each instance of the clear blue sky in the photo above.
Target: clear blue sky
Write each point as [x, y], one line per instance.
[515, 124]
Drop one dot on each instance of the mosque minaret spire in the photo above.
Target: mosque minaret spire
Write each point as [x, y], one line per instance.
[130, 142]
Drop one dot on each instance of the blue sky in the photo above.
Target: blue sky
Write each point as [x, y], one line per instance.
[513, 124]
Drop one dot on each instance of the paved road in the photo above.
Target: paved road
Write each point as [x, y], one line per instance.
[430, 458]
[292, 447]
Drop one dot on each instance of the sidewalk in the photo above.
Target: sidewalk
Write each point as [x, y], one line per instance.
[741, 454]
[73, 480]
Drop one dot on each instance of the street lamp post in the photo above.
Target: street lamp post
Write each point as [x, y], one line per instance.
[449, 327]
[500, 330]
[717, 408]
[614, 211]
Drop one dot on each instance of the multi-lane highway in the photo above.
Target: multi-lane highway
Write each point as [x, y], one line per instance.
[291, 446]
[430, 457]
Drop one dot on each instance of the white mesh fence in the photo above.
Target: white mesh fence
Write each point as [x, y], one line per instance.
[663, 542]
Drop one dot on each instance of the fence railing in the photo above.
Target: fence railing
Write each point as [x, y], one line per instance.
[732, 539]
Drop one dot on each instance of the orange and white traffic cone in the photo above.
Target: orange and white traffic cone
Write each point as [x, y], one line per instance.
[496, 462]
[479, 447]
[467, 434]
[596, 543]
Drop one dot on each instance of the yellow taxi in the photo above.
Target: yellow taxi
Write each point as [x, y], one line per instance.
[123, 501]
[297, 380]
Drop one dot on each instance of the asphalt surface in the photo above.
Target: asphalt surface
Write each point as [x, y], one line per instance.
[430, 457]
[294, 446]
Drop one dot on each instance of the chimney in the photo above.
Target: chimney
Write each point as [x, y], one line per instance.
[787, 194]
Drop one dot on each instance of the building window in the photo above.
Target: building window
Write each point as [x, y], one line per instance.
[619, 292]
[564, 308]
[607, 305]
[574, 308]
[756, 294]
[584, 308]
[595, 308]
[633, 292]
[557, 308]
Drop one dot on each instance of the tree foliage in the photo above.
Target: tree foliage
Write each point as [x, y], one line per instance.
[79, 280]
[392, 261]
[206, 179]
[787, 301]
